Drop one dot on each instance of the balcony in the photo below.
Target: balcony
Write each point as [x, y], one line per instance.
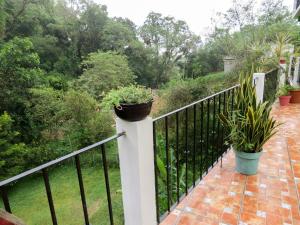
[178, 169]
[270, 197]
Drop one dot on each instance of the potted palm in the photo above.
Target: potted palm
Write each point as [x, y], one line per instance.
[132, 103]
[283, 95]
[249, 126]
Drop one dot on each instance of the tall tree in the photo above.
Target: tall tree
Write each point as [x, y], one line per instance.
[19, 71]
[240, 14]
[171, 40]
[272, 11]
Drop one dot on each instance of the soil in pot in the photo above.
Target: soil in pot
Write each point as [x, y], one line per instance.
[284, 100]
[133, 112]
[247, 163]
[295, 96]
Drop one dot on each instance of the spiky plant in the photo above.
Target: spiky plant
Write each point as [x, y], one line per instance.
[250, 125]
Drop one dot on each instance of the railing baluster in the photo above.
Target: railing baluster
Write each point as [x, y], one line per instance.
[104, 164]
[177, 157]
[49, 196]
[207, 135]
[167, 163]
[232, 101]
[186, 151]
[5, 199]
[218, 135]
[213, 132]
[194, 148]
[82, 193]
[201, 139]
[156, 173]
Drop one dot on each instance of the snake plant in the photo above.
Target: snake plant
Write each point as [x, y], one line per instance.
[250, 125]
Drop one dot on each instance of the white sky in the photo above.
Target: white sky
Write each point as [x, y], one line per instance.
[197, 13]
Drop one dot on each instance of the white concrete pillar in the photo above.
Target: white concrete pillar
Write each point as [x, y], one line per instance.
[282, 75]
[259, 83]
[137, 171]
[296, 76]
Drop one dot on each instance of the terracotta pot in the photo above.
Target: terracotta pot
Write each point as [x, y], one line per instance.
[133, 112]
[295, 96]
[282, 61]
[284, 100]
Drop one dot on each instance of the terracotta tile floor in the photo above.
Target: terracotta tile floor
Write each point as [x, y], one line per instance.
[271, 197]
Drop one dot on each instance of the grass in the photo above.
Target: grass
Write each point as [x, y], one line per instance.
[29, 201]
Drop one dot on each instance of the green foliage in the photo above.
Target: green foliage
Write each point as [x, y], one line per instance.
[72, 118]
[19, 72]
[170, 39]
[250, 125]
[11, 152]
[283, 91]
[178, 93]
[117, 36]
[103, 72]
[128, 95]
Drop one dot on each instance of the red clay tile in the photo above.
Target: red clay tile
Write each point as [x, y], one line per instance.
[270, 197]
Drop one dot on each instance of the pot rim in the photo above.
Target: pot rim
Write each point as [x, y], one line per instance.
[282, 96]
[132, 104]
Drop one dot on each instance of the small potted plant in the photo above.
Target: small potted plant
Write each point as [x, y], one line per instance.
[283, 95]
[132, 103]
[249, 126]
[295, 94]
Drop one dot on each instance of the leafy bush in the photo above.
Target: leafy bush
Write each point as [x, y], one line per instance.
[11, 153]
[178, 93]
[104, 71]
[130, 95]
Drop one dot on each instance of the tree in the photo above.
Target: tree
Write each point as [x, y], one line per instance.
[2, 18]
[240, 14]
[117, 36]
[171, 40]
[104, 71]
[141, 62]
[272, 11]
[18, 73]
[90, 28]
[11, 152]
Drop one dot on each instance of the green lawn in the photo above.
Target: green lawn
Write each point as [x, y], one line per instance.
[29, 202]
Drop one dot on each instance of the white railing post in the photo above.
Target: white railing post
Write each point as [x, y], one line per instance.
[137, 171]
[259, 83]
[282, 74]
[296, 72]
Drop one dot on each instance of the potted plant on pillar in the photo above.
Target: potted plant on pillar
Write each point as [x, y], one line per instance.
[249, 126]
[132, 103]
[283, 95]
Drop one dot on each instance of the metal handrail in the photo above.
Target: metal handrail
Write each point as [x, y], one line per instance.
[194, 103]
[56, 161]
[4, 185]
[211, 145]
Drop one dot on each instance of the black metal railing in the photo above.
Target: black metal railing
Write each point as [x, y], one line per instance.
[271, 85]
[44, 171]
[188, 142]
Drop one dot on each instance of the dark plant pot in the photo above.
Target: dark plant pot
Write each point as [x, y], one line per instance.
[284, 100]
[133, 112]
[247, 163]
[295, 96]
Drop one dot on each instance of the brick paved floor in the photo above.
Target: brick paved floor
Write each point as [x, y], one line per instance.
[271, 197]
